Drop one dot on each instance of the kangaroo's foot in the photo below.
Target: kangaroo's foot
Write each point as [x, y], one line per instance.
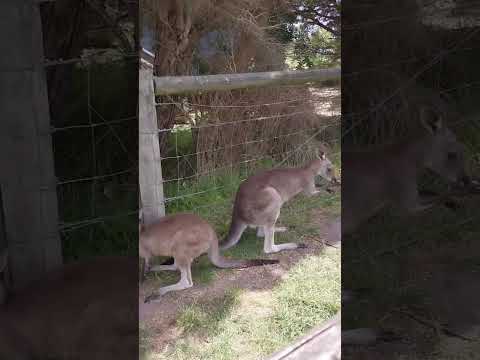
[184, 283]
[269, 245]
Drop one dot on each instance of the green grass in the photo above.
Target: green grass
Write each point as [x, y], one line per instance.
[252, 324]
[206, 318]
[310, 295]
[116, 235]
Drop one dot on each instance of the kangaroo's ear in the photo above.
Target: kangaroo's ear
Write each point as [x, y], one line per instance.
[431, 121]
[3, 260]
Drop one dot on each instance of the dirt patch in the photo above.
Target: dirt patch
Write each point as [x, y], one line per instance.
[160, 317]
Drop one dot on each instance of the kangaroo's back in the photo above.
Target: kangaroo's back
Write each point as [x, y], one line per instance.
[286, 182]
[179, 235]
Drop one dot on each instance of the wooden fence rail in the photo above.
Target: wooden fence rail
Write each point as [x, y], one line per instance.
[172, 85]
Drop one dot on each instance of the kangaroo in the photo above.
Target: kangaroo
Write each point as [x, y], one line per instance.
[389, 176]
[86, 310]
[184, 237]
[260, 198]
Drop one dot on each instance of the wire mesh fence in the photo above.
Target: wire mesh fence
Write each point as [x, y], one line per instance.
[213, 142]
[93, 116]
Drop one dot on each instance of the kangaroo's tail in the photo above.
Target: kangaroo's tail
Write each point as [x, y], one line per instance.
[237, 227]
[221, 262]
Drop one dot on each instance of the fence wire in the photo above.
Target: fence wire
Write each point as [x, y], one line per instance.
[99, 128]
[211, 147]
[95, 163]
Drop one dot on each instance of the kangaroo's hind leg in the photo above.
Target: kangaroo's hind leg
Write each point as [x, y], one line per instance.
[269, 245]
[269, 216]
[184, 283]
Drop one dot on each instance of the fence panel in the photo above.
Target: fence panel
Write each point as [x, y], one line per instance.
[216, 139]
[93, 117]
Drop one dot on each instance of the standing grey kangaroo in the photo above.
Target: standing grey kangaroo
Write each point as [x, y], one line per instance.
[261, 197]
[184, 237]
[388, 176]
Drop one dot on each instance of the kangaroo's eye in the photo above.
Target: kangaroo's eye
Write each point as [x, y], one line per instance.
[452, 156]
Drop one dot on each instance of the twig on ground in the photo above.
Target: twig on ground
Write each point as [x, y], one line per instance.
[439, 328]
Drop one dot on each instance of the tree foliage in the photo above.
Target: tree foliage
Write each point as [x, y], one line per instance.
[324, 14]
[314, 49]
[316, 38]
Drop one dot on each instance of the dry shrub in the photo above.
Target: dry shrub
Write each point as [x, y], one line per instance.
[180, 24]
[253, 131]
[379, 102]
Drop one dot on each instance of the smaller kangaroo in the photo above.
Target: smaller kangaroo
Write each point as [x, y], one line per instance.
[261, 197]
[184, 237]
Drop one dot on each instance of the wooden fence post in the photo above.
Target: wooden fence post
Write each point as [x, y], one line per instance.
[28, 180]
[150, 168]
